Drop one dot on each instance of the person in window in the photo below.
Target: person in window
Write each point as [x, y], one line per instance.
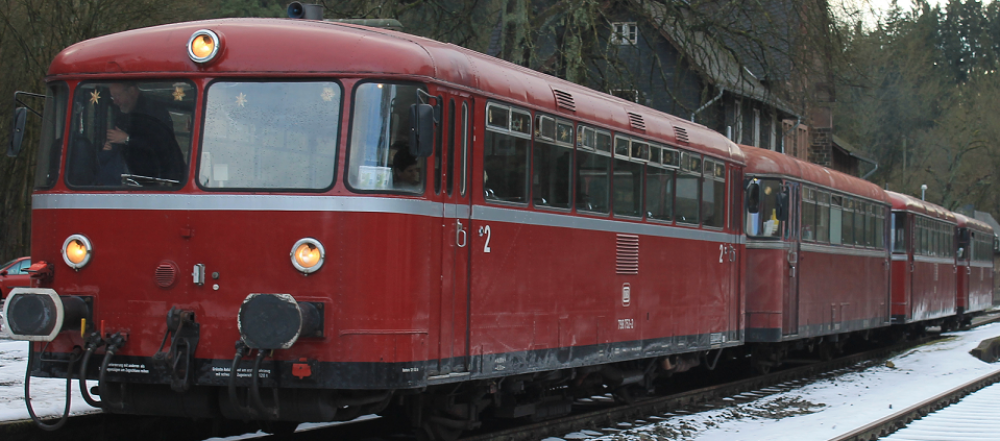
[405, 171]
[143, 133]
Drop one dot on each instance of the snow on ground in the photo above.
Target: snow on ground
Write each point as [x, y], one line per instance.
[48, 395]
[830, 407]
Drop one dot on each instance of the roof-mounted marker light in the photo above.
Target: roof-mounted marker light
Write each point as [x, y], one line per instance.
[203, 46]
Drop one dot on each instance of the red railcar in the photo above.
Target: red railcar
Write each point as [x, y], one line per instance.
[817, 261]
[924, 282]
[975, 267]
[538, 231]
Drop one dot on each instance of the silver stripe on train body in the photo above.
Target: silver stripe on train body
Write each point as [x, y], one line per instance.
[496, 214]
[768, 245]
[362, 204]
[938, 260]
[831, 249]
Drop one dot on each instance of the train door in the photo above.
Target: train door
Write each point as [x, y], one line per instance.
[736, 290]
[790, 318]
[453, 174]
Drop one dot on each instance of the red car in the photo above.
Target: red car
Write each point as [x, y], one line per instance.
[14, 274]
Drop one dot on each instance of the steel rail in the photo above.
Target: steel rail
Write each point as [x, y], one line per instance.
[641, 409]
[887, 425]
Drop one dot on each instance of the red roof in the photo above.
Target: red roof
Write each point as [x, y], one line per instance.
[272, 47]
[768, 162]
[966, 221]
[913, 205]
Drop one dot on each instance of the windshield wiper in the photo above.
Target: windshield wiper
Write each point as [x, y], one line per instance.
[133, 180]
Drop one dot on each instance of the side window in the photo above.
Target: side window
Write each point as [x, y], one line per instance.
[660, 184]
[836, 219]
[505, 154]
[879, 226]
[871, 225]
[593, 166]
[465, 146]
[859, 223]
[380, 156]
[688, 199]
[808, 214]
[713, 199]
[551, 179]
[630, 155]
[847, 230]
[823, 217]
[899, 232]
[21, 267]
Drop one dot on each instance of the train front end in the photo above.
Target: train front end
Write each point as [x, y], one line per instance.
[195, 247]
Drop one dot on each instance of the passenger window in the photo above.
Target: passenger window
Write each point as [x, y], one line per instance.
[505, 154]
[593, 166]
[553, 161]
[660, 186]
[871, 225]
[836, 219]
[627, 184]
[765, 222]
[847, 227]
[713, 192]
[688, 201]
[808, 214]
[899, 232]
[859, 223]
[823, 217]
[465, 145]
[880, 227]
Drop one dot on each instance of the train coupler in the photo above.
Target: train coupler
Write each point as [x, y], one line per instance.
[183, 332]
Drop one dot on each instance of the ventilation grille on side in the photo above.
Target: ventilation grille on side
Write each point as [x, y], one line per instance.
[166, 274]
[682, 135]
[627, 253]
[565, 100]
[636, 121]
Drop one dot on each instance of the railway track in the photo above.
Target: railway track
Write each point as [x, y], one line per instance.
[106, 427]
[892, 423]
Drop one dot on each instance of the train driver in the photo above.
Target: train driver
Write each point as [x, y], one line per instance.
[144, 133]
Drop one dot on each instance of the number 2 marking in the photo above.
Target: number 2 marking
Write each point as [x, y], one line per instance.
[486, 230]
[722, 251]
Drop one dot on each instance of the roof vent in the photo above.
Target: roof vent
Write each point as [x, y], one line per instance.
[627, 254]
[682, 134]
[637, 122]
[565, 100]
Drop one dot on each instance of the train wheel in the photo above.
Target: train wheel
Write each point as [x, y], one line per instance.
[763, 358]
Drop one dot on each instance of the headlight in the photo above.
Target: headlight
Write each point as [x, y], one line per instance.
[203, 46]
[308, 255]
[76, 251]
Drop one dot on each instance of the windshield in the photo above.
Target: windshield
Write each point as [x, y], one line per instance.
[765, 223]
[380, 156]
[270, 135]
[130, 134]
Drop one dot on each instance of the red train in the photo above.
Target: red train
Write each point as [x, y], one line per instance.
[387, 224]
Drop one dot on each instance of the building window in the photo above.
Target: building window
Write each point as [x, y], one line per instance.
[624, 33]
[626, 94]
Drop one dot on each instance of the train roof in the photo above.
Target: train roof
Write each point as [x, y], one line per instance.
[968, 222]
[260, 47]
[769, 162]
[911, 204]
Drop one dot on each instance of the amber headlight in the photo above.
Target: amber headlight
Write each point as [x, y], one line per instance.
[76, 251]
[203, 46]
[308, 255]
